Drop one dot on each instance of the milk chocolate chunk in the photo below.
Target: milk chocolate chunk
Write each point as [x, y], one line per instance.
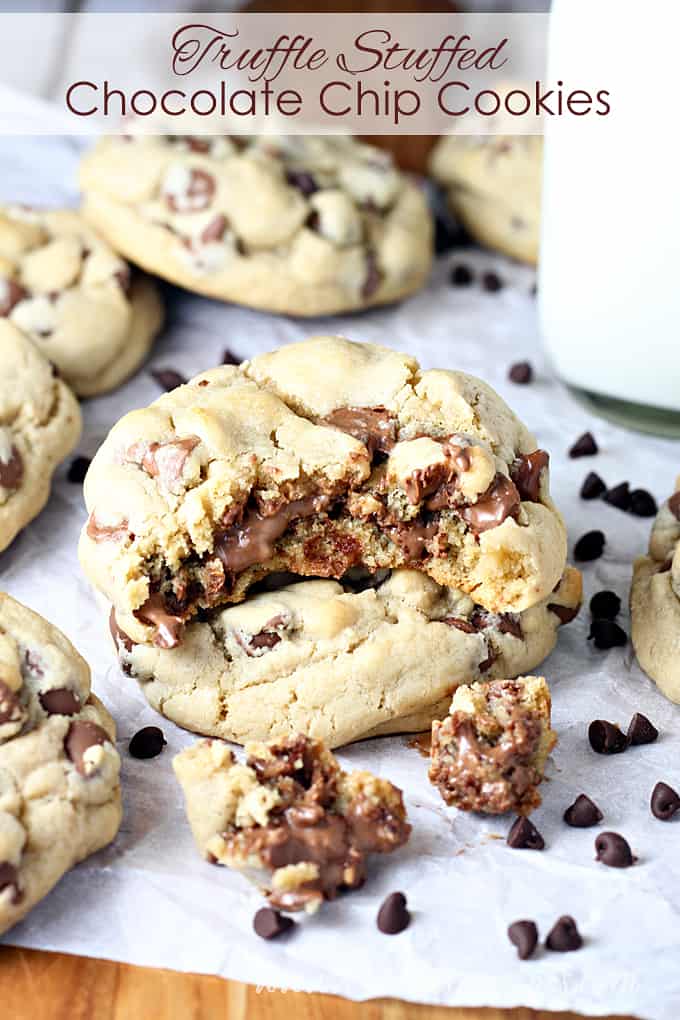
[501, 500]
[564, 936]
[10, 706]
[525, 836]
[9, 879]
[665, 802]
[641, 730]
[583, 813]
[60, 701]
[523, 935]
[393, 916]
[526, 474]
[169, 626]
[589, 546]
[11, 293]
[375, 427]
[147, 742]
[585, 446]
[12, 470]
[81, 736]
[269, 924]
[593, 487]
[613, 850]
[606, 737]
[196, 196]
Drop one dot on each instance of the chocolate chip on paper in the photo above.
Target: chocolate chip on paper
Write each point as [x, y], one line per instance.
[564, 936]
[523, 935]
[167, 378]
[269, 923]
[618, 496]
[583, 813]
[393, 916]
[525, 836]
[641, 730]
[147, 742]
[461, 275]
[491, 282]
[613, 850]
[665, 801]
[585, 446]
[593, 487]
[78, 469]
[521, 373]
[589, 546]
[605, 605]
[606, 737]
[642, 503]
[607, 634]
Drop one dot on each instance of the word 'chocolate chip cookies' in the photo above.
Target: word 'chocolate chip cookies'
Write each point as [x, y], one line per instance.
[63, 287]
[655, 601]
[300, 225]
[273, 466]
[40, 424]
[59, 768]
[340, 662]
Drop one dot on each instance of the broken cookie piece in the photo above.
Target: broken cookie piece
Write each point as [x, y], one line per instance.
[489, 754]
[290, 819]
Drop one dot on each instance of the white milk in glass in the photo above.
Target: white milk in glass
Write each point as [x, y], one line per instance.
[609, 287]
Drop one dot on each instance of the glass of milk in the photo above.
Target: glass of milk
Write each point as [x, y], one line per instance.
[609, 285]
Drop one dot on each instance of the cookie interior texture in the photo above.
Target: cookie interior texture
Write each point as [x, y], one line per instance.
[493, 186]
[655, 601]
[40, 423]
[289, 818]
[489, 754]
[340, 662]
[315, 459]
[301, 225]
[59, 768]
[77, 300]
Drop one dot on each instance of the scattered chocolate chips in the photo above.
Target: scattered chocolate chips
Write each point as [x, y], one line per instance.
[642, 503]
[619, 496]
[78, 469]
[641, 730]
[523, 935]
[521, 372]
[606, 634]
[525, 836]
[593, 487]
[605, 605]
[665, 802]
[606, 737]
[268, 923]
[229, 358]
[589, 546]
[461, 275]
[583, 813]
[613, 850]
[60, 701]
[585, 446]
[147, 742]
[491, 282]
[167, 378]
[393, 915]
[564, 936]
[81, 736]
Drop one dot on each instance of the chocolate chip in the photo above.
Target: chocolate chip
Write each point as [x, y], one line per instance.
[80, 737]
[393, 915]
[585, 446]
[606, 634]
[521, 372]
[268, 923]
[147, 742]
[60, 701]
[642, 503]
[665, 802]
[448, 235]
[12, 470]
[593, 487]
[229, 358]
[619, 496]
[9, 878]
[13, 294]
[583, 813]
[167, 378]
[605, 605]
[303, 181]
[373, 276]
[589, 546]
[524, 935]
[641, 730]
[606, 737]
[78, 469]
[10, 706]
[564, 936]
[123, 278]
[461, 275]
[491, 282]
[525, 836]
[613, 850]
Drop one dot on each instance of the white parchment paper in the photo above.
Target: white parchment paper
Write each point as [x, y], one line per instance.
[150, 899]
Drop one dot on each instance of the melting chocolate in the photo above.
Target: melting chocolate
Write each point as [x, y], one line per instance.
[526, 474]
[373, 426]
[253, 540]
[168, 626]
[500, 501]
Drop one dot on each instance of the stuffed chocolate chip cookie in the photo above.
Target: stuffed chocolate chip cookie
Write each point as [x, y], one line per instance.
[39, 425]
[655, 601]
[315, 459]
[300, 225]
[59, 783]
[493, 186]
[337, 663]
[64, 288]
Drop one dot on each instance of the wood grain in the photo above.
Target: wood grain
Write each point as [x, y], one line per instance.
[54, 986]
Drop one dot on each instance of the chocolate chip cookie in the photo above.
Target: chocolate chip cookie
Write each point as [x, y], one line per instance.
[290, 819]
[62, 286]
[493, 186]
[655, 600]
[315, 459]
[39, 425]
[299, 225]
[340, 662]
[59, 785]
[489, 754]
